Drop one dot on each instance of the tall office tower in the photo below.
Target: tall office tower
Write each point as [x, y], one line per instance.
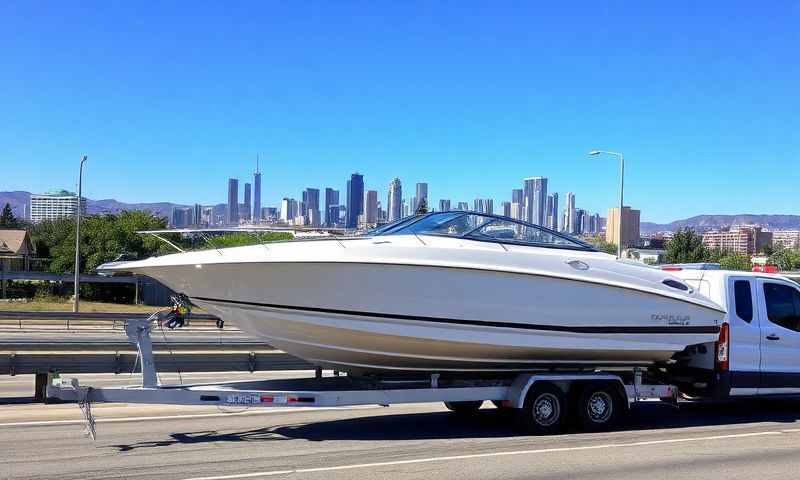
[507, 209]
[516, 211]
[371, 207]
[569, 214]
[197, 214]
[233, 202]
[355, 199]
[552, 212]
[518, 198]
[257, 212]
[444, 205]
[626, 231]
[333, 215]
[483, 205]
[422, 193]
[248, 206]
[394, 204]
[207, 219]
[535, 199]
[288, 209]
[405, 208]
[331, 199]
[581, 220]
[413, 205]
[311, 210]
[596, 227]
[463, 206]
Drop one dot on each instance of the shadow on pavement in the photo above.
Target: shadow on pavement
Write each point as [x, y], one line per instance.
[488, 423]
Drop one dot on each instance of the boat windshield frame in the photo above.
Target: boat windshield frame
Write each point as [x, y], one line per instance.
[402, 226]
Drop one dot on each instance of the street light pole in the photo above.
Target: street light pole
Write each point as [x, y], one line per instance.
[76, 305]
[621, 191]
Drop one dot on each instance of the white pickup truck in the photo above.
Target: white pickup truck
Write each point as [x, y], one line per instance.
[758, 352]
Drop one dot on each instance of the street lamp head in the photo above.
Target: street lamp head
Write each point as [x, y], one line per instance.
[595, 152]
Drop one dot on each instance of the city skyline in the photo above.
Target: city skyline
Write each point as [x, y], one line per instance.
[698, 107]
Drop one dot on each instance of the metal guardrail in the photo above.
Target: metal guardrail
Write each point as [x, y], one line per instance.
[69, 319]
[124, 361]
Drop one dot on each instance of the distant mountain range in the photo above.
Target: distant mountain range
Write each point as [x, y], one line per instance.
[709, 222]
[701, 222]
[18, 199]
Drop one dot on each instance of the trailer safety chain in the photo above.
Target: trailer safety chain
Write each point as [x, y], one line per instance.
[85, 404]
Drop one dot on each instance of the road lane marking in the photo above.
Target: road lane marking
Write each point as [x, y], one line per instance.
[259, 411]
[270, 473]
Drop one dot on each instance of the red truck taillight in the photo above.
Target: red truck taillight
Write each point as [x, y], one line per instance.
[723, 348]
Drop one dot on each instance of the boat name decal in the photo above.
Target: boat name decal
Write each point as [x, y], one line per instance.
[678, 320]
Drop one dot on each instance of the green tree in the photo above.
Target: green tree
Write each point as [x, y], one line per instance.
[602, 245]
[735, 261]
[686, 246]
[786, 259]
[103, 238]
[237, 239]
[7, 218]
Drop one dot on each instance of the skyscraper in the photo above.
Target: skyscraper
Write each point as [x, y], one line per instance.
[288, 209]
[483, 205]
[355, 199]
[248, 206]
[569, 213]
[507, 209]
[552, 211]
[422, 193]
[535, 199]
[394, 203]
[444, 205]
[257, 212]
[233, 201]
[311, 201]
[371, 207]
[517, 204]
[463, 206]
[331, 199]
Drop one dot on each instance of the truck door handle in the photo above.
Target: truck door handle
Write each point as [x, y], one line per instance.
[773, 337]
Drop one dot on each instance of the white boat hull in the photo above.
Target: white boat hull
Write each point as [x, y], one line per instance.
[357, 316]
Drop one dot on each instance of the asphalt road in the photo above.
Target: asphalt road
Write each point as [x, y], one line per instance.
[750, 440]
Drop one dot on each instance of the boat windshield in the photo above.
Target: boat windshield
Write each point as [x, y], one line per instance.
[482, 227]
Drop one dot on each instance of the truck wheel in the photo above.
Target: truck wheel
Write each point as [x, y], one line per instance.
[599, 407]
[544, 410]
[464, 408]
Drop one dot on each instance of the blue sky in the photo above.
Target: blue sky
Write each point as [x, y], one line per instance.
[169, 99]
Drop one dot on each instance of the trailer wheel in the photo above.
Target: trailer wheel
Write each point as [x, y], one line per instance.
[599, 407]
[464, 408]
[544, 410]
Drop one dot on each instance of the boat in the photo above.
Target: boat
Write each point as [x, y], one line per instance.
[444, 292]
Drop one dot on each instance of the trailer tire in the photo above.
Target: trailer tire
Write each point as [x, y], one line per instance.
[544, 410]
[599, 407]
[464, 408]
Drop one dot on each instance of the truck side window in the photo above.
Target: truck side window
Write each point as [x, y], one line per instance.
[783, 305]
[743, 300]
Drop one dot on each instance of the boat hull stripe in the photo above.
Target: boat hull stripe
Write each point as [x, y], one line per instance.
[672, 330]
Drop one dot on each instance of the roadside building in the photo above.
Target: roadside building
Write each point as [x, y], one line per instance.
[623, 229]
[16, 250]
[786, 238]
[745, 240]
[55, 204]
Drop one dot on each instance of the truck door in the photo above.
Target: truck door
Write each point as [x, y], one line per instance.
[745, 337]
[779, 311]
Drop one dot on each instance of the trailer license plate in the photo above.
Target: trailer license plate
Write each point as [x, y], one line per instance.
[243, 399]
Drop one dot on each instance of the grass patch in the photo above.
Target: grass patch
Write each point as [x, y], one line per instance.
[52, 305]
